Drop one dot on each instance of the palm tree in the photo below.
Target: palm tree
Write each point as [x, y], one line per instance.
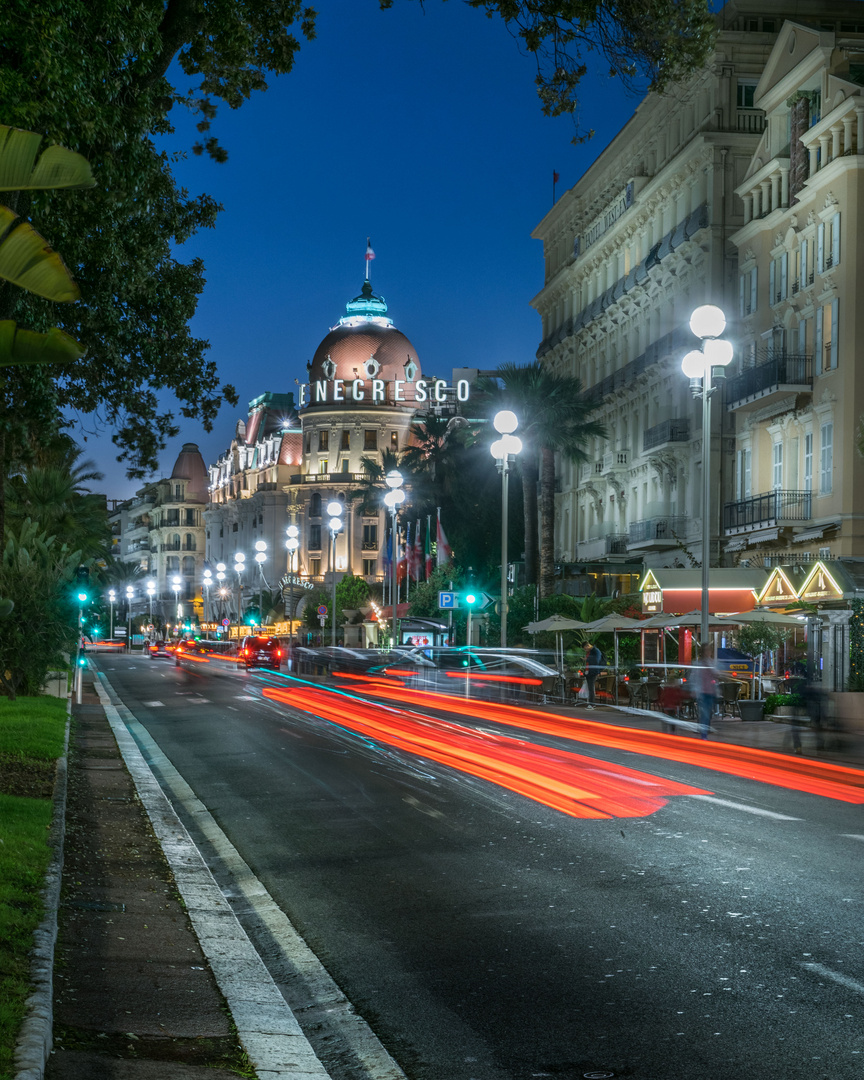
[554, 417]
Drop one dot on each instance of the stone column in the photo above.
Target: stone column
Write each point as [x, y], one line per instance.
[748, 208]
[784, 186]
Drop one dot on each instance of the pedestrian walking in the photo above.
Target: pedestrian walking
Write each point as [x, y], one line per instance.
[593, 666]
[705, 682]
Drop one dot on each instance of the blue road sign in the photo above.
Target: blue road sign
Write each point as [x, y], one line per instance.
[448, 600]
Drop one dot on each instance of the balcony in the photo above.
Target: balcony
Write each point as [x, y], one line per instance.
[590, 470]
[780, 376]
[600, 547]
[657, 532]
[616, 459]
[770, 508]
[670, 431]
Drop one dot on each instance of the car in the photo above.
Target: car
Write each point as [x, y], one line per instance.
[261, 652]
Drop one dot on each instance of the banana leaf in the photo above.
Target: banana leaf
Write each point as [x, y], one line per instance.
[58, 167]
[26, 259]
[19, 346]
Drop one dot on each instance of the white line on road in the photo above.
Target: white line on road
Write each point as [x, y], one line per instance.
[154, 704]
[838, 977]
[852, 836]
[747, 809]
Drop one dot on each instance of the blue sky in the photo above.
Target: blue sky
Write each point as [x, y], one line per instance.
[419, 127]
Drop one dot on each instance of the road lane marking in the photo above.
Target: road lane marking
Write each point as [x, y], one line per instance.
[244, 697]
[154, 704]
[838, 977]
[852, 836]
[747, 809]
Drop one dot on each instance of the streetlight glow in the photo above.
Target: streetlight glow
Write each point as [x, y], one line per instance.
[393, 499]
[505, 423]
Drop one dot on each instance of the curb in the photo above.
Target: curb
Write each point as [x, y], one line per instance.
[36, 1036]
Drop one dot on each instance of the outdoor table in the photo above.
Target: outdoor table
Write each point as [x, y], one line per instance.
[674, 698]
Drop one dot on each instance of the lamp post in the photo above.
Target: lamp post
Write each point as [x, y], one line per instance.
[208, 581]
[292, 543]
[130, 592]
[261, 558]
[239, 567]
[393, 500]
[223, 591]
[334, 509]
[505, 423]
[151, 589]
[176, 582]
[112, 599]
[707, 323]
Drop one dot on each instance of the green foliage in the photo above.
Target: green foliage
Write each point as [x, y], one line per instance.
[782, 701]
[93, 76]
[856, 645]
[36, 572]
[757, 637]
[352, 592]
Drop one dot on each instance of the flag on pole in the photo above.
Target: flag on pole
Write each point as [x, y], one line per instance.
[388, 555]
[445, 554]
[555, 177]
[428, 551]
[402, 564]
[418, 552]
[370, 254]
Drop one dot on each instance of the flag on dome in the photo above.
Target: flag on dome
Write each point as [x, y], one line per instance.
[445, 554]
[370, 254]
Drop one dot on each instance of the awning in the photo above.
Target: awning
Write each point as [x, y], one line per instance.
[812, 534]
[763, 537]
[738, 544]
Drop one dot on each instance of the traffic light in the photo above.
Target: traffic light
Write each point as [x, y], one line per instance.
[82, 584]
[471, 599]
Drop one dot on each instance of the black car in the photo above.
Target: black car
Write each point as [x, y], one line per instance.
[261, 652]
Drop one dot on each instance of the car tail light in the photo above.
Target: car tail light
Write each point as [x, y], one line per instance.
[278, 652]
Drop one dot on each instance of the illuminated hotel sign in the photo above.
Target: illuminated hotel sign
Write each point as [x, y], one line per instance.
[820, 586]
[374, 391]
[778, 589]
[604, 222]
[652, 595]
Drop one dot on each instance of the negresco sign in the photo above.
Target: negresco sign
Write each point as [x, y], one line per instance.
[604, 221]
[326, 391]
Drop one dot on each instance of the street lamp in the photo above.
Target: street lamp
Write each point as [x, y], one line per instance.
[176, 582]
[151, 589]
[505, 423]
[394, 499]
[239, 567]
[130, 592]
[292, 543]
[112, 599]
[334, 509]
[708, 323]
[261, 558]
[208, 581]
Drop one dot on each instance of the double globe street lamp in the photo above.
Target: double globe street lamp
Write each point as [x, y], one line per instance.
[261, 558]
[708, 323]
[335, 510]
[503, 449]
[393, 500]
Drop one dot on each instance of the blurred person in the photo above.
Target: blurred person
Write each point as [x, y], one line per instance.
[593, 666]
[705, 684]
[814, 704]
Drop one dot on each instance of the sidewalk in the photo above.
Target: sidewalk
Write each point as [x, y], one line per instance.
[154, 979]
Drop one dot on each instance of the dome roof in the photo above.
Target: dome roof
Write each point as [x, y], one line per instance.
[366, 345]
[190, 466]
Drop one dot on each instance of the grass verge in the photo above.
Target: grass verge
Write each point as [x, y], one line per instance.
[31, 738]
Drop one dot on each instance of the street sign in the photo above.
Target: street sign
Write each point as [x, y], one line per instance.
[322, 619]
[322, 610]
[484, 601]
[226, 622]
[448, 600]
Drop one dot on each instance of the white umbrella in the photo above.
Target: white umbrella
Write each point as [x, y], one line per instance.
[557, 624]
[773, 617]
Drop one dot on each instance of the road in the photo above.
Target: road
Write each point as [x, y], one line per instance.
[687, 924]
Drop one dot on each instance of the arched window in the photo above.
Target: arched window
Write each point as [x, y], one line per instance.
[189, 545]
[315, 505]
[175, 541]
[189, 565]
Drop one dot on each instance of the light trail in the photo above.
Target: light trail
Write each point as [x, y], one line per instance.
[813, 777]
[560, 779]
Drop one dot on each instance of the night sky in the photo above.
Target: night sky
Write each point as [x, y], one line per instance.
[420, 129]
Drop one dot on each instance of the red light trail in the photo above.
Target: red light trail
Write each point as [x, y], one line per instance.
[576, 785]
[813, 777]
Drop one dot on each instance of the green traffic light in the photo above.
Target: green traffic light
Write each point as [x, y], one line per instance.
[82, 597]
[470, 598]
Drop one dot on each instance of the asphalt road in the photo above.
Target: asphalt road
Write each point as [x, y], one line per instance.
[486, 936]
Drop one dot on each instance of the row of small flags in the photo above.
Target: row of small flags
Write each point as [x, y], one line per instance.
[414, 557]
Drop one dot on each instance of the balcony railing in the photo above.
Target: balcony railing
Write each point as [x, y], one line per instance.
[616, 459]
[660, 528]
[616, 544]
[769, 508]
[370, 545]
[668, 431]
[782, 370]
